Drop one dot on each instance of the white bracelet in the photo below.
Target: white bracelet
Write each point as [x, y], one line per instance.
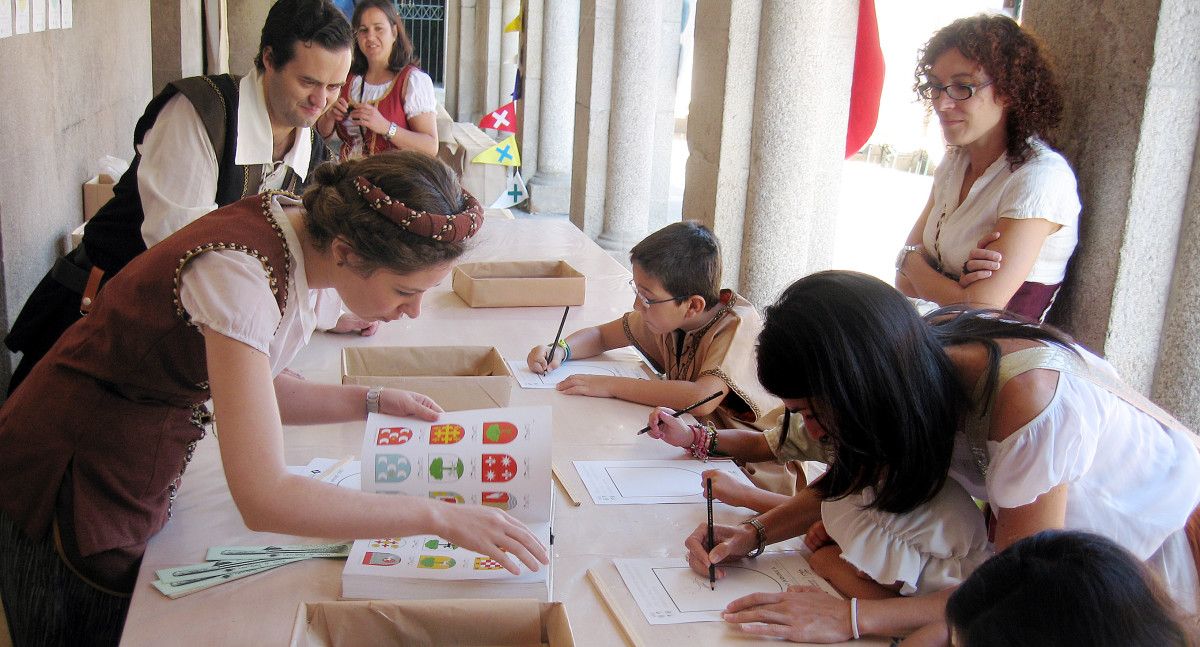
[854, 617]
[392, 130]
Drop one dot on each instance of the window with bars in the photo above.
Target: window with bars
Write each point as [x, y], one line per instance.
[426, 25]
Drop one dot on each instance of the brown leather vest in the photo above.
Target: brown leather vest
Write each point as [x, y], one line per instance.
[102, 430]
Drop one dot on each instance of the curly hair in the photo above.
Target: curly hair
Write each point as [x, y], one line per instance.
[1021, 75]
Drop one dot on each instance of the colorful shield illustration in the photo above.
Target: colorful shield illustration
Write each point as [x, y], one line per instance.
[487, 564]
[445, 467]
[499, 500]
[439, 562]
[498, 468]
[372, 558]
[445, 434]
[435, 543]
[498, 433]
[393, 436]
[448, 497]
[392, 468]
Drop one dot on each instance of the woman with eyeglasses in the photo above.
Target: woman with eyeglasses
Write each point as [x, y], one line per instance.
[387, 101]
[904, 407]
[1002, 219]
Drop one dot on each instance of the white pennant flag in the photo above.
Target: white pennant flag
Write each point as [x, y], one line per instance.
[514, 191]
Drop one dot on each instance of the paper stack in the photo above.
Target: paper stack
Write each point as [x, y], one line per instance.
[494, 457]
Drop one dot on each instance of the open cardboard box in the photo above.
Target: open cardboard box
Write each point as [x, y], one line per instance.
[494, 623]
[96, 192]
[457, 377]
[519, 283]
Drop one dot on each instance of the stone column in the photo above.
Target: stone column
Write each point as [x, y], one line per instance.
[805, 64]
[1126, 282]
[529, 108]
[510, 43]
[593, 97]
[724, 67]
[631, 126]
[488, 30]
[550, 187]
[666, 77]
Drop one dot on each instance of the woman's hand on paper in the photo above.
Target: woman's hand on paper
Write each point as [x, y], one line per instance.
[395, 402]
[671, 430]
[800, 614]
[981, 262]
[537, 359]
[490, 531]
[733, 542]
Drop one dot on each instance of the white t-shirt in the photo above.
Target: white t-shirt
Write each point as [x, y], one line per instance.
[418, 98]
[1127, 477]
[1043, 187]
[228, 292]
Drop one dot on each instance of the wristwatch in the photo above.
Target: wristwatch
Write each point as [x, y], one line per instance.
[904, 254]
[392, 130]
[373, 394]
[760, 533]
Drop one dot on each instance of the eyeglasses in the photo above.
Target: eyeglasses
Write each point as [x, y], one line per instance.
[956, 91]
[647, 302]
[786, 424]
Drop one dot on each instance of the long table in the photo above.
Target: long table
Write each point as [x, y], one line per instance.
[260, 610]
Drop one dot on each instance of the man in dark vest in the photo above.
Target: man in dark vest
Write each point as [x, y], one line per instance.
[202, 143]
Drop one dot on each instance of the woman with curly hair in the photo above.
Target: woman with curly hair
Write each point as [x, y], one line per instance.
[1002, 217]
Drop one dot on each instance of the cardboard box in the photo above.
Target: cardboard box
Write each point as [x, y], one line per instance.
[519, 283]
[459, 144]
[495, 623]
[96, 192]
[457, 377]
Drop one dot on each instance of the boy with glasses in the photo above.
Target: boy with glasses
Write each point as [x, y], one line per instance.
[697, 335]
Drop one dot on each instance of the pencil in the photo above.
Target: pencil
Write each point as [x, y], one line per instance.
[712, 568]
[686, 409]
[557, 336]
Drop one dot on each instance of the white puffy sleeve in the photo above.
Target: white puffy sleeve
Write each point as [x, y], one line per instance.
[229, 292]
[418, 94]
[929, 549]
[1043, 187]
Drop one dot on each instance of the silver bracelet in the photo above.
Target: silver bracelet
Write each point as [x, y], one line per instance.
[392, 130]
[373, 394]
[760, 533]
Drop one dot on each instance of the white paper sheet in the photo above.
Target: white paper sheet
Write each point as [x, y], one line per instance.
[606, 367]
[498, 457]
[347, 476]
[650, 481]
[668, 592]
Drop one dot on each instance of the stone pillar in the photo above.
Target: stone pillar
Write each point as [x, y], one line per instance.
[1125, 280]
[805, 64]
[550, 187]
[177, 41]
[467, 97]
[453, 46]
[724, 66]
[529, 108]
[593, 97]
[631, 126]
[216, 36]
[488, 30]
[510, 43]
[667, 75]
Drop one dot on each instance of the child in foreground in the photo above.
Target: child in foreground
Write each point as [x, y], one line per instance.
[698, 336]
[1060, 588]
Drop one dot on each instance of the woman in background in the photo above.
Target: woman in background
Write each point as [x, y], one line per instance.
[1002, 217]
[387, 101]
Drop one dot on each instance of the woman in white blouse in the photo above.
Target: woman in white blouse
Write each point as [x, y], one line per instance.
[1018, 415]
[387, 101]
[1002, 218]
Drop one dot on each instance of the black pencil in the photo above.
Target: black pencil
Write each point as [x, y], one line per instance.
[557, 336]
[712, 568]
[687, 409]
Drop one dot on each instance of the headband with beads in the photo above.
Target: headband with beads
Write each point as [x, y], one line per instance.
[452, 228]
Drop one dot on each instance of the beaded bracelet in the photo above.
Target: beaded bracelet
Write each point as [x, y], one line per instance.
[562, 343]
[704, 441]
